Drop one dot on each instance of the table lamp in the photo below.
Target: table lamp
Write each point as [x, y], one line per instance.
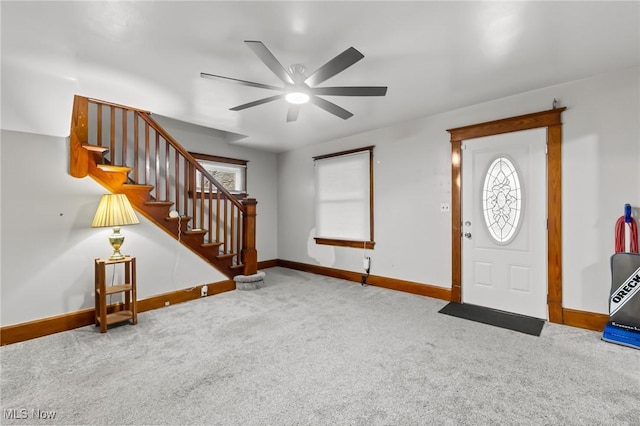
[115, 210]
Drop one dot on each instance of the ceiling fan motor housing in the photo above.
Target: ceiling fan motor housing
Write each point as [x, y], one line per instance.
[298, 73]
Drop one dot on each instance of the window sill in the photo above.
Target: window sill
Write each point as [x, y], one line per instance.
[345, 243]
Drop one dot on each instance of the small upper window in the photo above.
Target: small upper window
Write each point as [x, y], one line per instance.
[230, 172]
[502, 200]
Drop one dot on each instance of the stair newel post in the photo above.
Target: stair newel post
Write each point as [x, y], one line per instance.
[79, 157]
[249, 252]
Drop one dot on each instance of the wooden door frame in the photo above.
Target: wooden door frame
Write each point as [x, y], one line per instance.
[552, 120]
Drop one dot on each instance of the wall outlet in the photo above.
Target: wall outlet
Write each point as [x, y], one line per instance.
[444, 207]
[203, 291]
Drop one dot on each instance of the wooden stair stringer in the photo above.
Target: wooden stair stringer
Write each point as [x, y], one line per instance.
[114, 180]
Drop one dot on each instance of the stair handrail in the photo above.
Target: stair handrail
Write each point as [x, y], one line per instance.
[146, 116]
[191, 159]
[247, 208]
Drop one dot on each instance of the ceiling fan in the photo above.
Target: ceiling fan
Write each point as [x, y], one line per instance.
[300, 88]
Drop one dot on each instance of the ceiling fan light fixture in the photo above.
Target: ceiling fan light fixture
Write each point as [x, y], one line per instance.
[297, 98]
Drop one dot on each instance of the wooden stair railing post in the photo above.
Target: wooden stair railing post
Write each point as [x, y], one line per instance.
[249, 252]
[79, 158]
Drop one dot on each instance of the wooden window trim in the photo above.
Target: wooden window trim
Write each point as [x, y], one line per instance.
[345, 243]
[347, 152]
[353, 243]
[227, 160]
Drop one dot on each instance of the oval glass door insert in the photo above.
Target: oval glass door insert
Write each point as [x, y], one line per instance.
[502, 200]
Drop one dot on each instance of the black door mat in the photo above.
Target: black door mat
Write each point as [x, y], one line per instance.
[508, 320]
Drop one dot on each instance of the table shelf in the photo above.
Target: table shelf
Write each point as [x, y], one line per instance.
[102, 291]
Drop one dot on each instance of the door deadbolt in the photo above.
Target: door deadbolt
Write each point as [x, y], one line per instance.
[467, 235]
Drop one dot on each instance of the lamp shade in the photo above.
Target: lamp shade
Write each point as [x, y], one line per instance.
[114, 210]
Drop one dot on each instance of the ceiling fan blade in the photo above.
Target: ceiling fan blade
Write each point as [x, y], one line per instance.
[292, 114]
[330, 107]
[334, 66]
[256, 103]
[269, 60]
[350, 91]
[241, 82]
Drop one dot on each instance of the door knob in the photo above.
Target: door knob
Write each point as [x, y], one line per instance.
[467, 235]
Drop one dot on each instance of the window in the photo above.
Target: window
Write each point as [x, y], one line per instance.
[344, 198]
[230, 172]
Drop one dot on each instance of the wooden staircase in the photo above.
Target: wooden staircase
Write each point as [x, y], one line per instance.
[127, 152]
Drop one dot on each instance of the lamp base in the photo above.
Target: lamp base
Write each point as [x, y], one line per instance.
[117, 256]
[116, 240]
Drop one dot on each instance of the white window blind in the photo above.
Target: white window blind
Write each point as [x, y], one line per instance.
[343, 196]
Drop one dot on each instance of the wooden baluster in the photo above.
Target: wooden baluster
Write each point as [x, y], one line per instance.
[166, 171]
[188, 185]
[147, 171]
[194, 196]
[99, 125]
[223, 224]
[238, 219]
[201, 216]
[177, 179]
[227, 247]
[136, 128]
[232, 233]
[125, 139]
[218, 216]
[157, 169]
[112, 137]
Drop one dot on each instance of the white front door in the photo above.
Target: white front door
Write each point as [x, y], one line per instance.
[504, 242]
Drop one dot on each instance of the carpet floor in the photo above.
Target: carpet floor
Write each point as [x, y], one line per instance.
[313, 350]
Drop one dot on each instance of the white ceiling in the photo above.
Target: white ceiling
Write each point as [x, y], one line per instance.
[433, 56]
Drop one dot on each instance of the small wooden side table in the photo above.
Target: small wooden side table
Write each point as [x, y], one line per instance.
[129, 309]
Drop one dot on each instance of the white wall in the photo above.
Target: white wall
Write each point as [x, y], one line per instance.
[600, 174]
[412, 177]
[48, 245]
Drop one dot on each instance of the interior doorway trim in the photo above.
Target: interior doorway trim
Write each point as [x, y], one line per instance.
[552, 120]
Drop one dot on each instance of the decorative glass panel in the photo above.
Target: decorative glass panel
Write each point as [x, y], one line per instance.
[502, 200]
